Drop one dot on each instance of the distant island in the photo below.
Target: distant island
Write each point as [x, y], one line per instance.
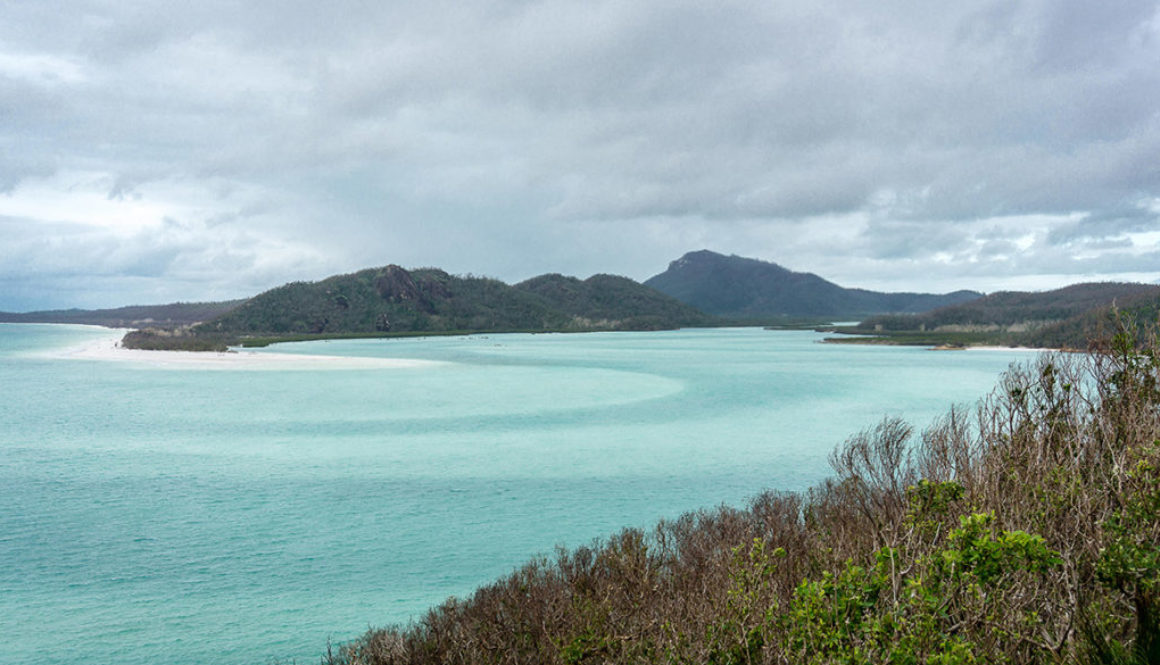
[701, 288]
[134, 316]
[394, 301]
[740, 288]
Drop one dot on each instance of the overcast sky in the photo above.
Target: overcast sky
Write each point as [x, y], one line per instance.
[160, 151]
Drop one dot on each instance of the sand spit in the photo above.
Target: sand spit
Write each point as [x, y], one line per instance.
[1009, 349]
[110, 350]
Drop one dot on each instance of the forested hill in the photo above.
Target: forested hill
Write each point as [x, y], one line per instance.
[1142, 310]
[603, 300]
[393, 299]
[135, 316]
[1065, 317]
[738, 287]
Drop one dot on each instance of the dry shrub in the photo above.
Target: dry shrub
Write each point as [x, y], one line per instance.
[1026, 532]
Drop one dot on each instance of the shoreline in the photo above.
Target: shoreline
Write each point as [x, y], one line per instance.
[109, 349]
[933, 345]
[1028, 349]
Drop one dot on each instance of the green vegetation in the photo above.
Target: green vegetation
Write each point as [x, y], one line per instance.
[748, 289]
[1027, 532]
[944, 340]
[1141, 308]
[170, 316]
[392, 301]
[161, 339]
[1063, 318]
[609, 301]
[784, 323]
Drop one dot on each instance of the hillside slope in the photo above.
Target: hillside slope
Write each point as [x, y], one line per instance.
[748, 288]
[392, 299]
[171, 315]
[1066, 317]
[388, 299]
[1076, 331]
[611, 301]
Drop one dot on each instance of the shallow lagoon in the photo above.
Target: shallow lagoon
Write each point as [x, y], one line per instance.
[174, 514]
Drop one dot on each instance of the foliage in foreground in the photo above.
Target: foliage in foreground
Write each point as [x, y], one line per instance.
[1024, 532]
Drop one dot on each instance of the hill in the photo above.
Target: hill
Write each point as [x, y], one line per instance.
[1076, 331]
[1062, 318]
[611, 301]
[738, 287]
[394, 300]
[135, 316]
[389, 299]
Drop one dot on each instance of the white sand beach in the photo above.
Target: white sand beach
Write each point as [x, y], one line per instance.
[110, 349]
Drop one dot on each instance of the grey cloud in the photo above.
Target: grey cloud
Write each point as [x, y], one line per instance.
[379, 130]
[1108, 224]
[1106, 263]
[1075, 34]
[895, 240]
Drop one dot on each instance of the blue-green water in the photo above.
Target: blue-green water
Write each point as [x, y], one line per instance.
[182, 515]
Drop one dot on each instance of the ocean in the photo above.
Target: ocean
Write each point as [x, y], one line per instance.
[184, 513]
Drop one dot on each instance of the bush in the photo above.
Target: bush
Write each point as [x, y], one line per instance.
[1026, 533]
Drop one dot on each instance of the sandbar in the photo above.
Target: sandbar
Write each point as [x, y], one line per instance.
[1027, 349]
[110, 350]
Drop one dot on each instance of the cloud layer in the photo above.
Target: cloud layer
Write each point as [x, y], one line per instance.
[152, 152]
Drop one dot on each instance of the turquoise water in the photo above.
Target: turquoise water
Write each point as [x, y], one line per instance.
[183, 515]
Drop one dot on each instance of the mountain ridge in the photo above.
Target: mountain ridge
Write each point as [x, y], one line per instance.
[130, 316]
[1067, 317]
[392, 300]
[740, 287]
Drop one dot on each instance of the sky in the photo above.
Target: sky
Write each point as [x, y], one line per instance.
[153, 152]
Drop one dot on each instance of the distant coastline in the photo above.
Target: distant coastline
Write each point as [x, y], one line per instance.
[392, 301]
[110, 349]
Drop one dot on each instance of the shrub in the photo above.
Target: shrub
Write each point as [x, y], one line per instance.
[1028, 533]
